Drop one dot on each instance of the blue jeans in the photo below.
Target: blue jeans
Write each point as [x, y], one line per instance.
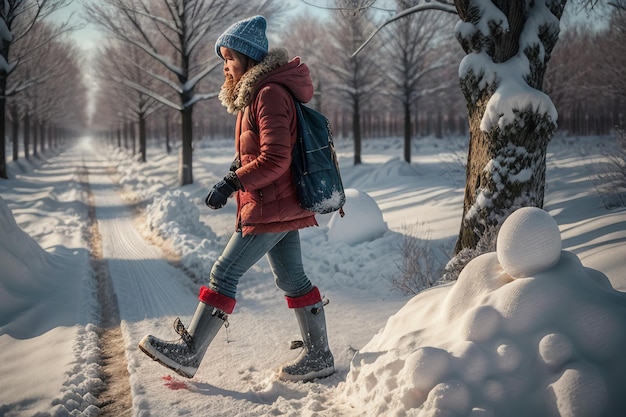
[241, 253]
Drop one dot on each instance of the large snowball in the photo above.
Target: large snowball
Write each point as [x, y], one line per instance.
[363, 221]
[529, 242]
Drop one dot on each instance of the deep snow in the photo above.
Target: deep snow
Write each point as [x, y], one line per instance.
[488, 344]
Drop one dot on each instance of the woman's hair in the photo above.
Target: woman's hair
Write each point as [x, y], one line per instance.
[249, 62]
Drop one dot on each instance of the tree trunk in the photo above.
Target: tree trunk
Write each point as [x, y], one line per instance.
[126, 133]
[356, 128]
[142, 136]
[27, 136]
[51, 137]
[168, 146]
[506, 162]
[439, 125]
[42, 136]
[3, 102]
[186, 172]
[35, 138]
[133, 136]
[15, 132]
[407, 132]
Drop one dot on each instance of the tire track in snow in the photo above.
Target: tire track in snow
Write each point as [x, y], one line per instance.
[147, 286]
[114, 399]
[149, 290]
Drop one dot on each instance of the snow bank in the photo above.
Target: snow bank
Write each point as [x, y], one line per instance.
[550, 344]
[41, 321]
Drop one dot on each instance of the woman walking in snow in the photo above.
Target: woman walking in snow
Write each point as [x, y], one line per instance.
[260, 87]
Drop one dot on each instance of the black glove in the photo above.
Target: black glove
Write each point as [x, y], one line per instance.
[218, 196]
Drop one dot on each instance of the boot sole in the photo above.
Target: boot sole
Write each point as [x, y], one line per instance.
[185, 371]
[308, 377]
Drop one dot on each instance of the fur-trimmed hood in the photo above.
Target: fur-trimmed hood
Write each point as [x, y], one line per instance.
[275, 68]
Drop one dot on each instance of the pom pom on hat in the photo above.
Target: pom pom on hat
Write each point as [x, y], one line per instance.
[247, 37]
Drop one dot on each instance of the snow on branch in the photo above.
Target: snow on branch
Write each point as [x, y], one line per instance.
[149, 93]
[199, 97]
[190, 84]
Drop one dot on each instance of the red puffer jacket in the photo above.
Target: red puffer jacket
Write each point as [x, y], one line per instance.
[264, 139]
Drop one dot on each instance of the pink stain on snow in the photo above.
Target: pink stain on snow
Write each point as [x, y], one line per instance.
[173, 384]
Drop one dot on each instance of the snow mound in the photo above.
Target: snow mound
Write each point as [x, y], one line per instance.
[529, 242]
[173, 213]
[493, 345]
[363, 221]
[176, 218]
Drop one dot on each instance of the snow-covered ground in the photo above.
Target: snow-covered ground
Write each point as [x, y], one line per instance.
[487, 345]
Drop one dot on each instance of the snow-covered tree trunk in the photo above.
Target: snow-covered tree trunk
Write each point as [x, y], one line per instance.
[508, 45]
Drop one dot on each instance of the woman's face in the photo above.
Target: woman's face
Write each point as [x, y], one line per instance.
[235, 65]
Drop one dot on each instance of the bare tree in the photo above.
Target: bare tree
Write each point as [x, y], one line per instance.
[47, 79]
[17, 19]
[416, 49]
[610, 55]
[357, 76]
[567, 78]
[307, 39]
[63, 98]
[177, 35]
[42, 57]
[118, 66]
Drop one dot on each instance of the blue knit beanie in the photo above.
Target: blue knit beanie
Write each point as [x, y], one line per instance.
[247, 37]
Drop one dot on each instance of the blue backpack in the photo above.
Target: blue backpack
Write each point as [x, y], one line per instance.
[314, 164]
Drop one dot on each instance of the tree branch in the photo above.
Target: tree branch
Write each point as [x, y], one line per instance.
[444, 7]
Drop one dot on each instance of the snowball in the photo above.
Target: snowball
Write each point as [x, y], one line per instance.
[508, 357]
[451, 396]
[529, 242]
[555, 349]
[425, 367]
[363, 221]
[471, 361]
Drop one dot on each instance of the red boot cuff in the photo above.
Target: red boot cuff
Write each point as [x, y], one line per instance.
[308, 299]
[217, 300]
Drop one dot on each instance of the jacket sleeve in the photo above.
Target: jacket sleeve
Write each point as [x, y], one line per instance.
[275, 121]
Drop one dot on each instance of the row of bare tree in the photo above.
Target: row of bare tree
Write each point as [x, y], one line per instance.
[40, 78]
[158, 57]
[406, 84]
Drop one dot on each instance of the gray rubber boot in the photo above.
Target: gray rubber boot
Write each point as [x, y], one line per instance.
[183, 356]
[315, 359]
